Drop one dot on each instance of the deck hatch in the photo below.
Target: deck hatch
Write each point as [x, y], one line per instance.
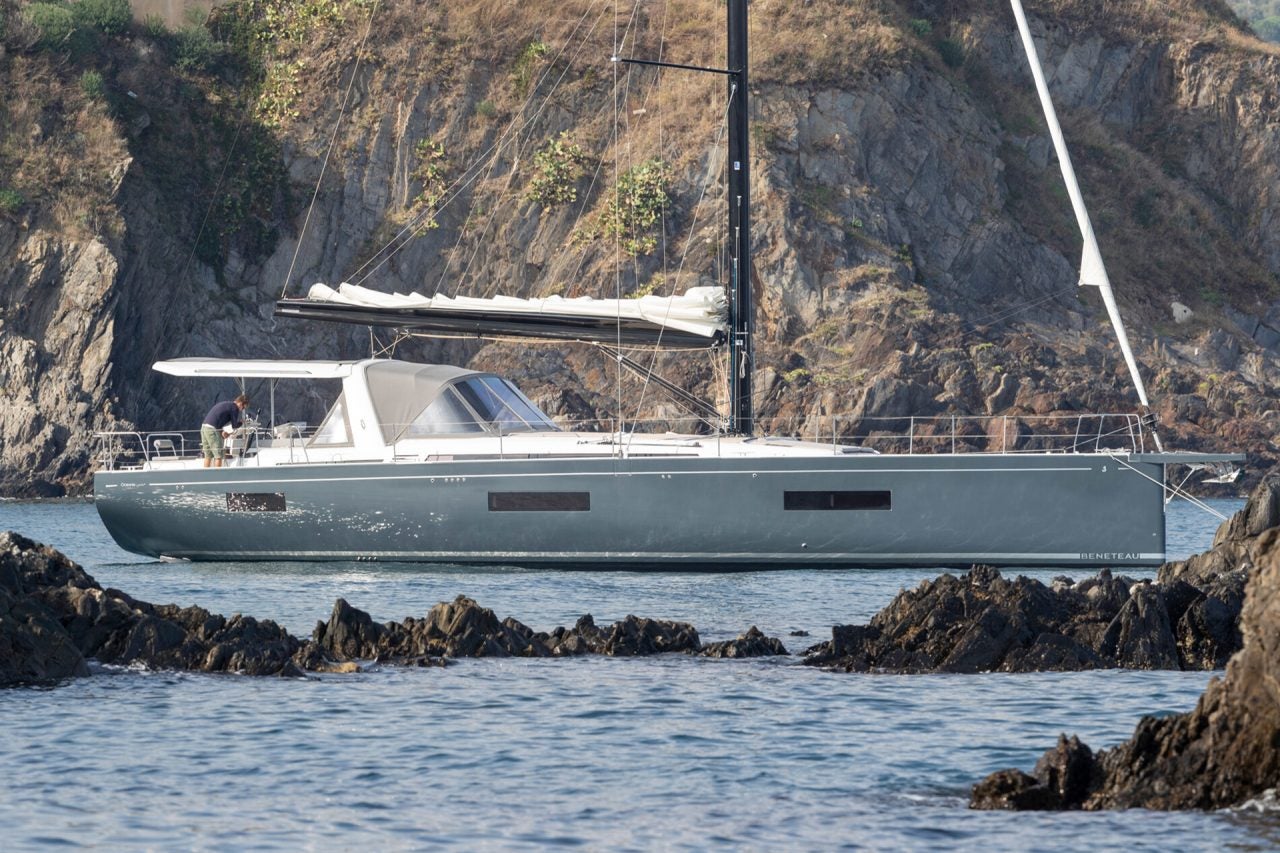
[837, 500]
[255, 501]
[539, 501]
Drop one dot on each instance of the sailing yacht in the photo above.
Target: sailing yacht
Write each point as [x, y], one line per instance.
[437, 463]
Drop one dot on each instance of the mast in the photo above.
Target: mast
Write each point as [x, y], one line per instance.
[741, 307]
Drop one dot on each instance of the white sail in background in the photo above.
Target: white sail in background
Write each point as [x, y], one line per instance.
[1092, 271]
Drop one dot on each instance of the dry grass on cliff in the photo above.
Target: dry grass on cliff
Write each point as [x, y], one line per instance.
[60, 150]
[826, 42]
[1127, 19]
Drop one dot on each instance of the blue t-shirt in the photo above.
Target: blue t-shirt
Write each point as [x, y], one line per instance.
[226, 412]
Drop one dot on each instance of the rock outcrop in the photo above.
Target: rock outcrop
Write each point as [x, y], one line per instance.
[54, 618]
[753, 644]
[462, 628]
[1188, 619]
[58, 617]
[1223, 753]
[984, 622]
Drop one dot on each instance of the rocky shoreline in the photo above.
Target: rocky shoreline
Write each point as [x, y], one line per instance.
[54, 618]
[1224, 752]
[983, 622]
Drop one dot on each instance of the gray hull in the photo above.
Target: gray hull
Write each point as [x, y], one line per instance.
[854, 510]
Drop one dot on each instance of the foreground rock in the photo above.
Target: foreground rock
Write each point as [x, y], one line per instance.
[984, 622]
[1224, 752]
[1188, 619]
[1221, 754]
[753, 644]
[462, 628]
[54, 618]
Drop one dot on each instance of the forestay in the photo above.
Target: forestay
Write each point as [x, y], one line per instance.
[1092, 271]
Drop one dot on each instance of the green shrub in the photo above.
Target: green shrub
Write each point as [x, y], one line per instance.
[91, 84]
[432, 171]
[921, 27]
[1268, 28]
[526, 65]
[195, 49]
[1146, 210]
[559, 165]
[10, 201]
[486, 109]
[54, 23]
[637, 205]
[155, 27]
[1211, 296]
[111, 17]
[952, 53]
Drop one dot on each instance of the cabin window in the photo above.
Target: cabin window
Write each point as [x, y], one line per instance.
[334, 431]
[502, 405]
[446, 415]
[539, 502]
[837, 500]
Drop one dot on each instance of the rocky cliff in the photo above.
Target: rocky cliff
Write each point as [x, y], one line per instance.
[914, 246]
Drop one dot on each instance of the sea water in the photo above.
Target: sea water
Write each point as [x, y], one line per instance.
[665, 752]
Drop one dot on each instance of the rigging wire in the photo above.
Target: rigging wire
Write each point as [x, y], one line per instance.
[582, 208]
[491, 289]
[617, 235]
[1176, 490]
[991, 319]
[621, 89]
[333, 139]
[684, 255]
[520, 150]
[208, 211]
[469, 175]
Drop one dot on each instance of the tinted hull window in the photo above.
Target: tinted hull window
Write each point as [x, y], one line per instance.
[836, 500]
[539, 501]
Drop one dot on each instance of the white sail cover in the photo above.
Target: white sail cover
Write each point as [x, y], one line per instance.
[1092, 271]
[699, 310]
[254, 368]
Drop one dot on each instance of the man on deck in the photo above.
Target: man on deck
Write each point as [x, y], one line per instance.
[223, 417]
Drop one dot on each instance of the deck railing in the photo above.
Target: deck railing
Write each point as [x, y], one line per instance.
[1004, 434]
[135, 448]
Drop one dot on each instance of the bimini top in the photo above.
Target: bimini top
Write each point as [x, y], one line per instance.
[420, 400]
[256, 368]
[697, 318]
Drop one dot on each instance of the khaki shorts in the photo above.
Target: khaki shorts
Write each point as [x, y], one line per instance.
[211, 442]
